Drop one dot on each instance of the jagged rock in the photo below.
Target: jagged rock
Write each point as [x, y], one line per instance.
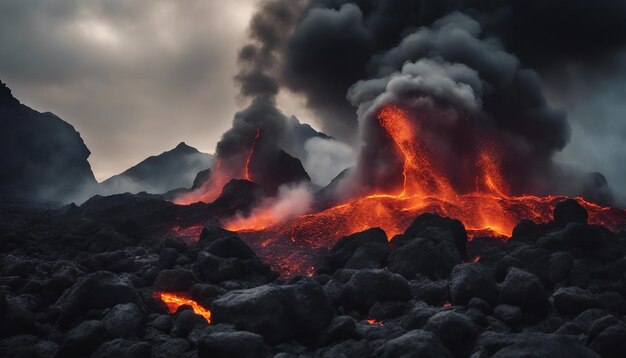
[367, 287]
[570, 211]
[177, 280]
[416, 343]
[124, 321]
[45, 160]
[456, 331]
[573, 300]
[232, 344]
[472, 280]
[524, 290]
[368, 249]
[278, 313]
[98, 290]
[122, 348]
[83, 339]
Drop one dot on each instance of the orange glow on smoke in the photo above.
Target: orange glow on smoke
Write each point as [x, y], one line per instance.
[246, 174]
[173, 301]
[220, 176]
[488, 210]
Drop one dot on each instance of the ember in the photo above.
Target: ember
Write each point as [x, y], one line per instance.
[174, 301]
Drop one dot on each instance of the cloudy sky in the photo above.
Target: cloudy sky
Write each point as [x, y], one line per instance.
[133, 77]
[137, 77]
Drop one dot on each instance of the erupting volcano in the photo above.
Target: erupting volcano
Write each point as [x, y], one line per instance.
[488, 210]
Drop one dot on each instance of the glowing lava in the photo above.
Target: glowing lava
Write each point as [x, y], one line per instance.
[173, 301]
[246, 174]
[488, 210]
[222, 173]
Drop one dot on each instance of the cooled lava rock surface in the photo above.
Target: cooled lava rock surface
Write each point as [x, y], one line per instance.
[107, 280]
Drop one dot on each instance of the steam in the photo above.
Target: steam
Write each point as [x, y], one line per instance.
[292, 200]
[326, 158]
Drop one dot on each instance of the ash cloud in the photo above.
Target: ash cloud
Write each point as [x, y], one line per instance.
[337, 47]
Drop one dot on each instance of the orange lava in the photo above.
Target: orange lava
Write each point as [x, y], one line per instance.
[173, 301]
[223, 172]
[447, 305]
[488, 210]
[247, 167]
[374, 322]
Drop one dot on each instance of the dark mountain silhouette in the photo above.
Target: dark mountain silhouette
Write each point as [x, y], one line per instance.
[173, 169]
[42, 157]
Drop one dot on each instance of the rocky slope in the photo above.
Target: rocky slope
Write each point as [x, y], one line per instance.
[88, 281]
[42, 157]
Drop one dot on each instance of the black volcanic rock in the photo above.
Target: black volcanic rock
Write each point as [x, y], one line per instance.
[424, 222]
[456, 331]
[570, 211]
[177, 168]
[98, 290]
[278, 313]
[523, 289]
[472, 280]
[364, 250]
[83, 339]
[366, 287]
[277, 169]
[573, 300]
[43, 158]
[232, 344]
[238, 196]
[416, 343]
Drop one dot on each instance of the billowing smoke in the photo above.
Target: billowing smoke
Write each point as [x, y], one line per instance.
[465, 67]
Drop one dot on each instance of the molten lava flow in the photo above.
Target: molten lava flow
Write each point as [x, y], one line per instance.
[247, 167]
[487, 210]
[173, 301]
[222, 173]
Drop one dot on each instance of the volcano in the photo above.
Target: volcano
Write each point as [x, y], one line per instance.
[487, 210]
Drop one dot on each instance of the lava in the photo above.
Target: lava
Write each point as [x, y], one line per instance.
[488, 210]
[246, 175]
[222, 173]
[174, 301]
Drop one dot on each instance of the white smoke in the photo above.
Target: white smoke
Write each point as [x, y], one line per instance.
[326, 158]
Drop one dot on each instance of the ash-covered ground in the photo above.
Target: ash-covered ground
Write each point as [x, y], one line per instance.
[90, 281]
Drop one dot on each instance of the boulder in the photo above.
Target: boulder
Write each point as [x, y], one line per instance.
[570, 211]
[124, 321]
[573, 300]
[456, 331]
[364, 250]
[99, 290]
[421, 255]
[83, 339]
[232, 344]
[472, 280]
[607, 336]
[177, 280]
[508, 314]
[278, 313]
[421, 225]
[366, 287]
[416, 343]
[524, 290]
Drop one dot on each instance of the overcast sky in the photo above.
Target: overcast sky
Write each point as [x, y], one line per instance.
[137, 77]
[133, 77]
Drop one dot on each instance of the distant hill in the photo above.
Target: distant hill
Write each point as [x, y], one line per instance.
[169, 170]
[42, 157]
